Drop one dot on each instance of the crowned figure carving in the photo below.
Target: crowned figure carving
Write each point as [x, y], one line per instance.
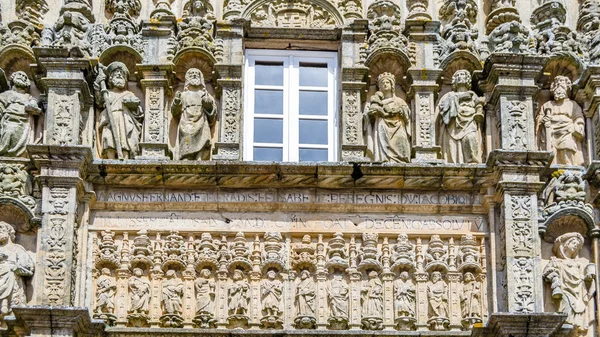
[119, 124]
[461, 119]
[387, 122]
[560, 125]
[572, 281]
[19, 112]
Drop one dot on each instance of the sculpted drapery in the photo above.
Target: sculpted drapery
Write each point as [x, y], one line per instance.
[305, 295]
[140, 292]
[15, 263]
[337, 293]
[372, 296]
[205, 293]
[387, 122]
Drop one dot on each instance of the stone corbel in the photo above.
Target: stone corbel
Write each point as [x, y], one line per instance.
[156, 82]
[53, 321]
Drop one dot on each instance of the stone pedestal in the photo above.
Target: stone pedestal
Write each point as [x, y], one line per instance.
[519, 325]
[60, 170]
[229, 82]
[156, 83]
[354, 85]
[51, 321]
[69, 117]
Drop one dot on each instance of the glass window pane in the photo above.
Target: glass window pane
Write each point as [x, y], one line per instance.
[268, 102]
[268, 153]
[268, 73]
[314, 75]
[313, 154]
[313, 132]
[268, 130]
[313, 103]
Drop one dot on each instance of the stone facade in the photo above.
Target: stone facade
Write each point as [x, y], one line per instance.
[462, 200]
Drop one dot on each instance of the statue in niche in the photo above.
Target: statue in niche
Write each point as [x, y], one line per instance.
[337, 295]
[461, 115]
[119, 124]
[437, 294]
[238, 294]
[205, 293]
[387, 121]
[405, 296]
[106, 288]
[172, 294]
[139, 288]
[572, 282]
[197, 111]
[305, 295]
[560, 125]
[372, 296]
[17, 116]
[15, 263]
[470, 298]
[272, 291]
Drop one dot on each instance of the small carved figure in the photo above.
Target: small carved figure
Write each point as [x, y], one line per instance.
[387, 120]
[140, 292]
[560, 125]
[18, 110]
[405, 295]
[305, 295]
[172, 294]
[337, 294]
[272, 290]
[461, 116]
[470, 298]
[197, 111]
[105, 292]
[205, 293]
[372, 296]
[572, 282]
[119, 124]
[512, 37]
[437, 293]
[238, 294]
[16, 264]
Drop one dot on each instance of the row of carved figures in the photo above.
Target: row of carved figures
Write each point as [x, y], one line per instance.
[153, 270]
[560, 124]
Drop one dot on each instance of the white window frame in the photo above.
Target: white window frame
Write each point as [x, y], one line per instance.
[291, 90]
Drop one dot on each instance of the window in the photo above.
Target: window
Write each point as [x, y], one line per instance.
[290, 104]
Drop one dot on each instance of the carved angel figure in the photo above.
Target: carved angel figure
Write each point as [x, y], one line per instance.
[139, 288]
[305, 295]
[238, 294]
[572, 282]
[372, 296]
[387, 121]
[119, 123]
[272, 290]
[106, 287]
[205, 293]
[172, 294]
[15, 263]
[560, 125]
[461, 117]
[405, 296]
[197, 112]
[337, 294]
[18, 112]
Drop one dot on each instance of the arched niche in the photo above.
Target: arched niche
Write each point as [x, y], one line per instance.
[389, 60]
[564, 64]
[16, 57]
[194, 57]
[295, 14]
[458, 60]
[122, 53]
[568, 219]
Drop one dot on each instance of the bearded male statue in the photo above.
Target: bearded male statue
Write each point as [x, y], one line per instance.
[18, 111]
[560, 125]
[15, 263]
[119, 125]
[197, 111]
[461, 114]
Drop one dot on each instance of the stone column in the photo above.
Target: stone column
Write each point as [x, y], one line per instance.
[511, 87]
[229, 82]
[424, 89]
[422, 305]
[61, 169]
[156, 83]
[69, 118]
[254, 312]
[322, 308]
[354, 73]
[122, 296]
[156, 276]
[454, 289]
[189, 297]
[355, 287]
[591, 84]
[221, 299]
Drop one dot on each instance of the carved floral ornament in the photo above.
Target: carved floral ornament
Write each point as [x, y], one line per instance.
[182, 277]
[297, 14]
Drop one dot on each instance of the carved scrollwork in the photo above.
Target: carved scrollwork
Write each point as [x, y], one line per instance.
[299, 14]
